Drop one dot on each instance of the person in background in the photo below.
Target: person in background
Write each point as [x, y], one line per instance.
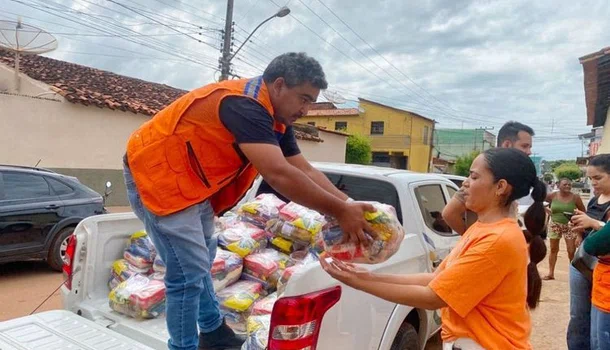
[579, 333]
[511, 135]
[563, 201]
[488, 283]
[598, 244]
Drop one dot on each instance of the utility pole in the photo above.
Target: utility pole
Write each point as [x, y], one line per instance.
[225, 63]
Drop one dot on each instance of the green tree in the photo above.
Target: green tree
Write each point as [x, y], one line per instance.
[568, 170]
[463, 163]
[358, 150]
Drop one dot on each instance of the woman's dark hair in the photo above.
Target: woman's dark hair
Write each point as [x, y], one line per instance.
[516, 168]
[601, 161]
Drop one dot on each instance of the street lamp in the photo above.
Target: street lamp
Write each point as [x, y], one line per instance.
[282, 12]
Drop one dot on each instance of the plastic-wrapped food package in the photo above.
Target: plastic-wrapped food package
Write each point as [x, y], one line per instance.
[286, 275]
[263, 208]
[122, 270]
[258, 332]
[297, 224]
[229, 219]
[384, 223]
[297, 261]
[139, 297]
[265, 267]
[236, 302]
[159, 265]
[243, 239]
[226, 269]
[286, 246]
[264, 306]
[140, 252]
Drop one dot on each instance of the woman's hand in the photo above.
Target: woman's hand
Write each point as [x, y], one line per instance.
[345, 272]
[582, 221]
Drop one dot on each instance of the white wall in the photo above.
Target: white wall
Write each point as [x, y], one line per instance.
[331, 150]
[61, 133]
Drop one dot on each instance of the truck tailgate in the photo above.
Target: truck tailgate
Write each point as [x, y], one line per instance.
[60, 329]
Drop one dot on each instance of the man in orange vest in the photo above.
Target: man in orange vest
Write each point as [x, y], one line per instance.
[198, 157]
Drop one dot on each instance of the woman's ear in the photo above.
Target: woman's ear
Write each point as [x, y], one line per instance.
[503, 188]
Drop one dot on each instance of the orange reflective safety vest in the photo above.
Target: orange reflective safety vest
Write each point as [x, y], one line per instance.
[184, 155]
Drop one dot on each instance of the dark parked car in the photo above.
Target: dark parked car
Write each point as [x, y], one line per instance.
[39, 210]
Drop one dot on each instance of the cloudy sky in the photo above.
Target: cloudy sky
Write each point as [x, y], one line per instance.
[464, 63]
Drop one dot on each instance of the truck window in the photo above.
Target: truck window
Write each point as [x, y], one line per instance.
[431, 201]
[358, 188]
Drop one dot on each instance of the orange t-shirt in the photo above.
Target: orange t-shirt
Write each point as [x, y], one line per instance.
[484, 283]
[600, 295]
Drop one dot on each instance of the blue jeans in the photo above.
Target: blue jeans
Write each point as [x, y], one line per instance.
[600, 329]
[185, 243]
[579, 328]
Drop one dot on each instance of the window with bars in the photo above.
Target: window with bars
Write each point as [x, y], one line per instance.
[376, 128]
[340, 126]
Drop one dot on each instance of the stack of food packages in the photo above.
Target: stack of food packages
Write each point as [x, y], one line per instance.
[262, 244]
[136, 281]
[304, 233]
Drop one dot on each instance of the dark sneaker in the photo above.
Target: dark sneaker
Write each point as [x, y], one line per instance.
[223, 338]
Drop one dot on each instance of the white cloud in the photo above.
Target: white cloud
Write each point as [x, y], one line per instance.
[483, 61]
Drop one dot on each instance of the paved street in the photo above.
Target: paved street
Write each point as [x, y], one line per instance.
[23, 286]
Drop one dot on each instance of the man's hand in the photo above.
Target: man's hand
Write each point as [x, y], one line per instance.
[354, 225]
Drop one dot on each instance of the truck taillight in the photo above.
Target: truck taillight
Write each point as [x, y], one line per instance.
[296, 321]
[68, 260]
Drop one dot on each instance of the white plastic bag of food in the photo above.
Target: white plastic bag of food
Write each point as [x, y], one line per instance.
[264, 207]
[257, 332]
[389, 237]
[121, 271]
[138, 297]
[236, 302]
[297, 223]
[264, 306]
[140, 251]
[243, 238]
[226, 269]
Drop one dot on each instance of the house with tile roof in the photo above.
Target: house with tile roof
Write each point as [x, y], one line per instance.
[399, 138]
[76, 120]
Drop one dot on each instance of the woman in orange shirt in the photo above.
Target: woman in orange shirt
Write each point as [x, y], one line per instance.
[488, 283]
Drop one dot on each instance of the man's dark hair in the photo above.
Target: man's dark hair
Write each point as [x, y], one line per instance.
[510, 132]
[296, 69]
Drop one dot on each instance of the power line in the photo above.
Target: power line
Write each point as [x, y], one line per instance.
[192, 13]
[165, 25]
[104, 30]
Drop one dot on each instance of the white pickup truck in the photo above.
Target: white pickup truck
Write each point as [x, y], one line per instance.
[356, 321]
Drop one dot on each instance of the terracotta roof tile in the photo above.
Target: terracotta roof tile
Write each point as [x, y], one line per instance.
[322, 105]
[90, 86]
[306, 132]
[333, 112]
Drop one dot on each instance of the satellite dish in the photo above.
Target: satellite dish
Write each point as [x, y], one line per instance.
[334, 97]
[23, 39]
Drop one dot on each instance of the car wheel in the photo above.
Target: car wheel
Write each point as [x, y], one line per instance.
[58, 248]
[406, 338]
